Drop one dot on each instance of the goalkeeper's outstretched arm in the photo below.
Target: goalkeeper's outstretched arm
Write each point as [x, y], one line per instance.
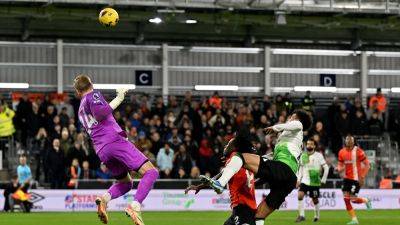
[119, 98]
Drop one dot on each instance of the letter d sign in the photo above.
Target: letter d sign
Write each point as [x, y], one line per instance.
[327, 80]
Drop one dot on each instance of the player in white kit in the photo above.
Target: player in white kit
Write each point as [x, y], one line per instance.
[309, 178]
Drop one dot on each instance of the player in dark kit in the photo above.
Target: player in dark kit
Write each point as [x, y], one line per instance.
[241, 186]
[279, 171]
[241, 192]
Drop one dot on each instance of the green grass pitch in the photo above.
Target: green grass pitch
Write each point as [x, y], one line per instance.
[375, 217]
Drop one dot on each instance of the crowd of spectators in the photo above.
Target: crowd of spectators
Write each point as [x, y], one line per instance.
[184, 137]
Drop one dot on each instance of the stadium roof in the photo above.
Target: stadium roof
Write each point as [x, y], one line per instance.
[359, 6]
[217, 22]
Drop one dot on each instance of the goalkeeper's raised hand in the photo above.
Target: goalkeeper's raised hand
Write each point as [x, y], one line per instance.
[121, 92]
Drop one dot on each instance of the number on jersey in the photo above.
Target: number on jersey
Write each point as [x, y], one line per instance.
[88, 121]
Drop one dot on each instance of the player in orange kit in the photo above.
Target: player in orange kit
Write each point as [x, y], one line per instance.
[355, 165]
[241, 191]
[241, 186]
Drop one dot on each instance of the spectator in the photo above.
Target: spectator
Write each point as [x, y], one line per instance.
[67, 106]
[194, 173]
[44, 106]
[320, 131]
[143, 142]
[359, 124]
[150, 156]
[357, 107]
[65, 142]
[308, 103]
[48, 118]
[85, 146]
[375, 125]
[164, 160]
[380, 100]
[34, 121]
[182, 174]
[217, 120]
[41, 144]
[266, 103]
[76, 152]
[332, 171]
[74, 173]
[72, 131]
[64, 118]
[24, 109]
[56, 165]
[205, 154]
[156, 143]
[135, 120]
[173, 106]
[288, 104]
[159, 109]
[103, 173]
[343, 123]
[215, 101]
[6, 121]
[191, 147]
[256, 113]
[182, 161]
[87, 173]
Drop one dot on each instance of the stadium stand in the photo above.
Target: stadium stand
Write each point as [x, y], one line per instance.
[184, 137]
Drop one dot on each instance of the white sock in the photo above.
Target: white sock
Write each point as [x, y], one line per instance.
[106, 197]
[316, 211]
[230, 169]
[136, 205]
[259, 222]
[301, 208]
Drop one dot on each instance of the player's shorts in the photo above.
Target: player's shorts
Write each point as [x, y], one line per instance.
[241, 215]
[281, 179]
[311, 191]
[351, 186]
[121, 157]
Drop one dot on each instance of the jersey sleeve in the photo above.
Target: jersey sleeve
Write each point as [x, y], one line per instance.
[361, 155]
[340, 158]
[322, 160]
[290, 126]
[99, 107]
[19, 171]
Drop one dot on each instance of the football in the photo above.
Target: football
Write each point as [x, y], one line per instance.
[108, 17]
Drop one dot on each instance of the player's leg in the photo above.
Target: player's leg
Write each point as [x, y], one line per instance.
[359, 200]
[243, 215]
[149, 176]
[313, 192]
[300, 198]
[230, 220]
[347, 200]
[281, 179]
[122, 186]
[316, 208]
[247, 160]
[263, 211]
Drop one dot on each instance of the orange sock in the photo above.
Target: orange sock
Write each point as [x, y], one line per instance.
[352, 213]
[358, 200]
